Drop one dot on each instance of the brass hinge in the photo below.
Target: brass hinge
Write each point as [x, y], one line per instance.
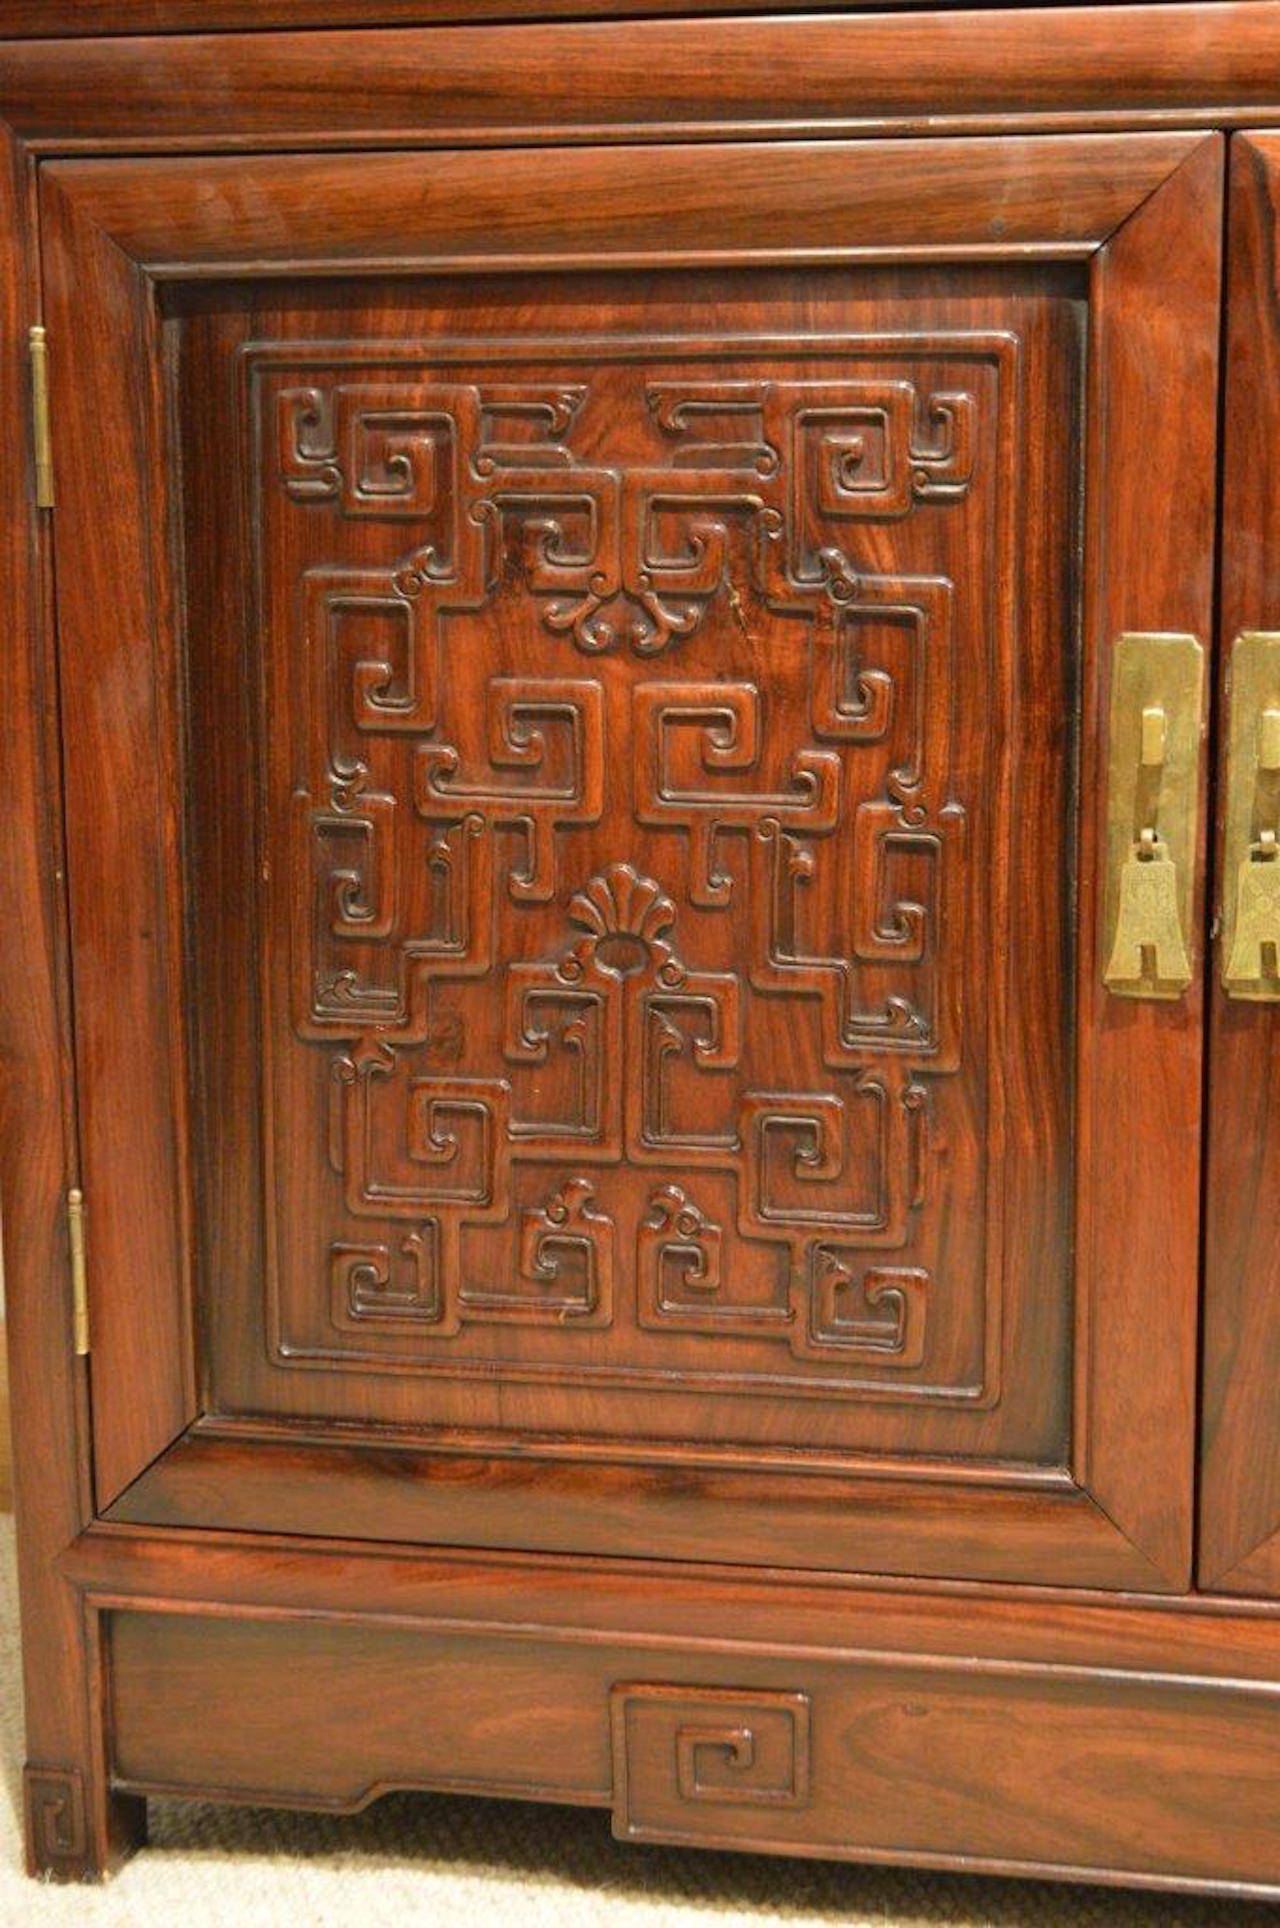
[41, 444]
[79, 1276]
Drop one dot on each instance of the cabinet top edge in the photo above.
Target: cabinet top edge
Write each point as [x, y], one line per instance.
[655, 75]
[77, 19]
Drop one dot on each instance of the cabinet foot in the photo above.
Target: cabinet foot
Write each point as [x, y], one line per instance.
[73, 1834]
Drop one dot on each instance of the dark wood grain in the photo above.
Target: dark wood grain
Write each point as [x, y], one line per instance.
[507, 1437]
[1148, 566]
[1168, 1706]
[115, 616]
[896, 1518]
[1026, 1733]
[254, 1572]
[73, 1826]
[995, 1232]
[1240, 1506]
[641, 80]
[74, 18]
[887, 1760]
[873, 1757]
[185, 219]
[615, 1341]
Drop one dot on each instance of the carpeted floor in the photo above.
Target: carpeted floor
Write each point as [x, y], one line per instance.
[449, 1863]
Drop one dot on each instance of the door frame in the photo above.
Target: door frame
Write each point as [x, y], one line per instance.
[1143, 211]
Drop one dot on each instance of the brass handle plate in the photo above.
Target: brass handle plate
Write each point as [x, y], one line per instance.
[1153, 800]
[1250, 918]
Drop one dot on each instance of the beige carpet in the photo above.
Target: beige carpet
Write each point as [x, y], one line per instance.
[449, 1863]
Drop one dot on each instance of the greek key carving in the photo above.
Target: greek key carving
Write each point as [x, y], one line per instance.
[378, 1284]
[677, 1748]
[56, 1818]
[565, 1271]
[558, 887]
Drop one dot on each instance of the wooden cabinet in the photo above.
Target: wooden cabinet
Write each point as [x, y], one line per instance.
[611, 917]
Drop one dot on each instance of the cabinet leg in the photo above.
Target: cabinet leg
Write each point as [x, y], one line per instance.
[75, 1832]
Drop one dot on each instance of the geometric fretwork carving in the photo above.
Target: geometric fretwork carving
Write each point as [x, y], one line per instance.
[647, 1012]
[871, 1310]
[621, 557]
[726, 1761]
[839, 1303]
[386, 1282]
[628, 885]
[56, 1819]
[681, 1750]
[679, 1280]
[565, 1268]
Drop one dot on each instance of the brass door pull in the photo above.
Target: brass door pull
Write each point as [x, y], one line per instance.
[1251, 823]
[1152, 805]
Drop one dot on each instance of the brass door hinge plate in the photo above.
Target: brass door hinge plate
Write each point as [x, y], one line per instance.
[1153, 803]
[1250, 886]
[41, 441]
[79, 1273]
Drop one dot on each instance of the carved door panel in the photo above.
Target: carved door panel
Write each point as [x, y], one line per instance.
[627, 716]
[1240, 1497]
[629, 813]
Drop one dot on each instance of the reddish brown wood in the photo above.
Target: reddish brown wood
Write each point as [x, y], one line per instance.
[21, 19]
[652, 1600]
[122, 740]
[559, 1302]
[819, 201]
[893, 1760]
[1170, 1703]
[954, 1177]
[1026, 1734]
[1240, 1506]
[977, 1522]
[1148, 566]
[1123, 1735]
[74, 1826]
[593, 81]
[870, 1756]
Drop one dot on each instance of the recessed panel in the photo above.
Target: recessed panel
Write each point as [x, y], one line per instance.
[638, 708]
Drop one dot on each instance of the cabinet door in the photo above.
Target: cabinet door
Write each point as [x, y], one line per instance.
[585, 695]
[1240, 1505]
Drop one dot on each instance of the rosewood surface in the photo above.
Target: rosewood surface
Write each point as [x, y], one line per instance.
[74, 1824]
[908, 1232]
[1011, 1729]
[554, 805]
[1240, 1501]
[75, 18]
[826, 74]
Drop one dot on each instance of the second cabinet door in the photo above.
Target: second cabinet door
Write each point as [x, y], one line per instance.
[1240, 1501]
[615, 1043]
